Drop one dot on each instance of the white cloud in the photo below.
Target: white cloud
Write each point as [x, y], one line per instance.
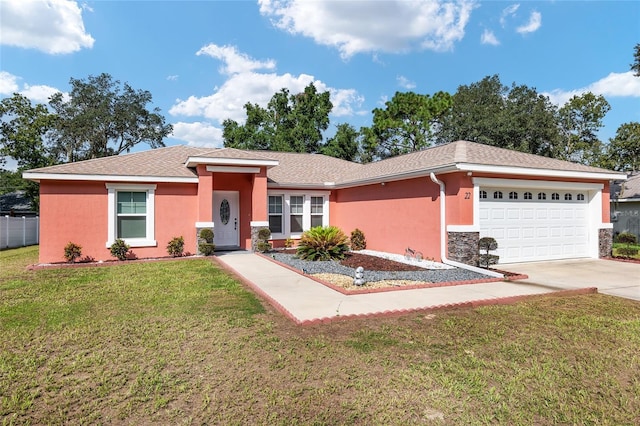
[373, 26]
[234, 61]
[8, 83]
[535, 22]
[39, 93]
[53, 26]
[172, 77]
[614, 85]
[198, 134]
[244, 85]
[405, 83]
[488, 37]
[508, 12]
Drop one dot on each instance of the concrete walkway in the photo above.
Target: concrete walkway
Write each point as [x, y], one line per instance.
[306, 301]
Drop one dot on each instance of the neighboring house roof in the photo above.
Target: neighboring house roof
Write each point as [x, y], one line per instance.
[628, 190]
[294, 169]
[16, 201]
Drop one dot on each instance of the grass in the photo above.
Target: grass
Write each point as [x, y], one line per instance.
[181, 342]
[617, 246]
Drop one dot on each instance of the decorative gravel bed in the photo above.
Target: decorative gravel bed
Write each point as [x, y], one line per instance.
[333, 267]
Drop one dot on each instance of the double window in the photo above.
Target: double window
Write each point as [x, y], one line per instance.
[131, 214]
[290, 214]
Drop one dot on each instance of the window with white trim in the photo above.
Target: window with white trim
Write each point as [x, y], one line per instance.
[317, 211]
[275, 214]
[528, 196]
[555, 196]
[483, 194]
[568, 197]
[513, 195]
[293, 212]
[580, 197]
[131, 214]
[542, 196]
[497, 195]
[296, 211]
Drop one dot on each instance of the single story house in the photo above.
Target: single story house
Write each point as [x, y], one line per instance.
[438, 201]
[625, 205]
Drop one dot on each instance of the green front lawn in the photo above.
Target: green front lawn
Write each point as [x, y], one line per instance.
[181, 342]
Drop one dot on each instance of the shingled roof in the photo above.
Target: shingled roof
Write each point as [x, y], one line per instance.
[293, 169]
[627, 190]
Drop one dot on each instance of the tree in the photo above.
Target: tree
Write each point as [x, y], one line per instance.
[407, 122]
[579, 121]
[491, 113]
[24, 133]
[344, 144]
[635, 66]
[293, 123]
[100, 118]
[623, 151]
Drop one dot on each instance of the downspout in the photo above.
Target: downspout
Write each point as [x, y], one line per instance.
[443, 235]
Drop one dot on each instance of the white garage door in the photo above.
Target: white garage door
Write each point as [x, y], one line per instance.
[535, 224]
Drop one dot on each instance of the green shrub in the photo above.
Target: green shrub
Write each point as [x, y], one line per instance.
[207, 235]
[264, 234]
[323, 243]
[72, 252]
[263, 246]
[288, 243]
[626, 238]
[485, 245]
[206, 249]
[627, 251]
[120, 250]
[358, 242]
[175, 248]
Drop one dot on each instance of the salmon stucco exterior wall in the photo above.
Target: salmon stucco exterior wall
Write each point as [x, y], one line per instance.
[392, 216]
[78, 212]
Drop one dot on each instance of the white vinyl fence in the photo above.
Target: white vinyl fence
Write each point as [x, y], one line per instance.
[19, 231]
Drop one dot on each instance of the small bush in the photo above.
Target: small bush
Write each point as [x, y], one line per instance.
[288, 243]
[120, 250]
[358, 242]
[485, 245]
[263, 246]
[323, 243]
[175, 248]
[206, 249]
[264, 234]
[626, 238]
[627, 251]
[72, 252]
[207, 235]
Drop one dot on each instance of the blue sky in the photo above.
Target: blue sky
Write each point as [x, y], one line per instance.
[203, 60]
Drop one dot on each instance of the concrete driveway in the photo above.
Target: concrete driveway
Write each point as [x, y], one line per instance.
[611, 277]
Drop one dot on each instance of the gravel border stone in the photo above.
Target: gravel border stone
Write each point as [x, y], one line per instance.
[333, 267]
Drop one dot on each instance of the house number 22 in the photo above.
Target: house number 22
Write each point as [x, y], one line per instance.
[467, 195]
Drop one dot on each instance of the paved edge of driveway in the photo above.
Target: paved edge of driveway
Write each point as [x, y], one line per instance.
[397, 312]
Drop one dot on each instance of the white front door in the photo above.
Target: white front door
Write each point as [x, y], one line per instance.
[226, 219]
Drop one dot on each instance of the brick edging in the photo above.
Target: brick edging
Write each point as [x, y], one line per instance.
[346, 292]
[449, 306]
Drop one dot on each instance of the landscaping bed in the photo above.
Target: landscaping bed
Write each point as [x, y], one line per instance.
[379, 273]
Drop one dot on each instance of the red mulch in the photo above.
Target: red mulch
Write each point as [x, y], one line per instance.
[373, 263]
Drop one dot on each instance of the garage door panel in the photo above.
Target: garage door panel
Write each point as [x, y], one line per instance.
[529, 230]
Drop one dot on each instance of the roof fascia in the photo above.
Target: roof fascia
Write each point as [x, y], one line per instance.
[37, 177]
[293, 186]
[513, 170]
[194, 161]
[395, 177]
